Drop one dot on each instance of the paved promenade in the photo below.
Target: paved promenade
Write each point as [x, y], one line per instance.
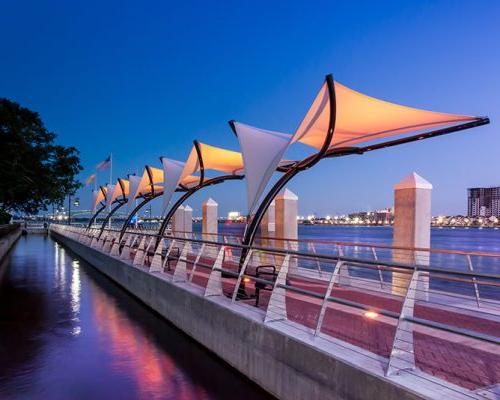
[468, 363]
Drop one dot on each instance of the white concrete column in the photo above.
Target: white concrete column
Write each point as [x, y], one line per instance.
[209, 225]
[286, 211]
[178, 221]
[188, 220]
[412, 228]
[268, 225]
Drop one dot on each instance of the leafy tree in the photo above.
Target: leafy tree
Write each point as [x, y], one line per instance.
[34, 172]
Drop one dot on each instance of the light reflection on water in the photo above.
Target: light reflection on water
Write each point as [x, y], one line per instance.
[67, 332]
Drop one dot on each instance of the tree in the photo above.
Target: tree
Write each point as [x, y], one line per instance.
[34, 171]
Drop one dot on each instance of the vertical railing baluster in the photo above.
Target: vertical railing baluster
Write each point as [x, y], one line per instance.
[214, 284]
[402, 355]
[474, 280]
[318, 264]
[333, 280]
[380, 277]
[193, 270]
[240, 275]
[276, 308]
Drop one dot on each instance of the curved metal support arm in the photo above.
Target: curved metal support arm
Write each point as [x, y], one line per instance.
[103, 206]
[145, 201]
[110, 214]
[200, 160]
[189, 193]
[251, 229]
[173, 209]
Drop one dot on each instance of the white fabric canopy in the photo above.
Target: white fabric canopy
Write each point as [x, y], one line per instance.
[172, 172]
[112, 192]
[97, 197]
[262, 152]
[134, 189]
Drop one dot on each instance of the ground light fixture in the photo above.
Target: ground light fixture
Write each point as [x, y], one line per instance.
[371, 314]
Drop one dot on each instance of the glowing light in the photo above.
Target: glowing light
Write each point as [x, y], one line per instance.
[246, 279]
[371, 314]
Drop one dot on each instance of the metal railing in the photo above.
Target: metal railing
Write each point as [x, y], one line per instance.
[405, 307]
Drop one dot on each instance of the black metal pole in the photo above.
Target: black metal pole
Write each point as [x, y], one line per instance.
[69, 209]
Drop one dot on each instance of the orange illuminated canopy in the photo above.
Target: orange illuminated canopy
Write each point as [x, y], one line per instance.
[213, 158]
[98, 196]
[149, 183]
[361, 119]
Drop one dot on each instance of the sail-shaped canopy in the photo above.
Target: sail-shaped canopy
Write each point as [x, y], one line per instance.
[262, 152]
[361, 119]
[98, 196]
[172, 171]
[150, 183]
[125, 186]
[181, 173]
[215, 159]
[120, 189]
[355, 119]
[110, 193]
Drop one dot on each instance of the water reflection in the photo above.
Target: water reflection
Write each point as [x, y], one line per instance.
[75, 295]
[67, 332]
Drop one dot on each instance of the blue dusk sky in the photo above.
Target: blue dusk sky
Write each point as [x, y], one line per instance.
[143, 79]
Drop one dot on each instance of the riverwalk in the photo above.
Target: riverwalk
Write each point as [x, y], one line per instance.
[429, 343]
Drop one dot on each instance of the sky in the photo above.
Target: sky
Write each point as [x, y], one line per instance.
[141, 80]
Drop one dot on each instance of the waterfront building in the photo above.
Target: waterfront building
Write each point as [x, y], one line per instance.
[483, 202]
[233, 215]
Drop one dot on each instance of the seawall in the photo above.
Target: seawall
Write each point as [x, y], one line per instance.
[8, 236]
[285, 364]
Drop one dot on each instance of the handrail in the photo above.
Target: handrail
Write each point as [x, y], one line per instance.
[404, 266]
[360, 244]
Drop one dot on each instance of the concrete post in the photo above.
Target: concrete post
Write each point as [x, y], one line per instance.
[412, 228]
[178, 221]
[268, 226]
[286, 216]
[188, 220]
[209, 226]
[286, 210]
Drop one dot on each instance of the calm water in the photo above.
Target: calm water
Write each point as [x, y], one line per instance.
[473, 240]
[67, 332]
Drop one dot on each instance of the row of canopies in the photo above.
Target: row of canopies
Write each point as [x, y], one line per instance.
[338, 118]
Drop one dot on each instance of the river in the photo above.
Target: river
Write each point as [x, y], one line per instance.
[67, 332]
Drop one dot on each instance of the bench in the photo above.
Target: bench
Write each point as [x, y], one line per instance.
[268, 273]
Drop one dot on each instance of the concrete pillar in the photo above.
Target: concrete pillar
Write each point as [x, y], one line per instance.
[286, 210]
[188, 220]
[268, 226]
[412, 228]
[178, 221]
[209, 226]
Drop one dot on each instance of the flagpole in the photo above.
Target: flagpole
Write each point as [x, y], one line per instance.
[111, 168]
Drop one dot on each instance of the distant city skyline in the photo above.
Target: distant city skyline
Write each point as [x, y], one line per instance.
[153, 80]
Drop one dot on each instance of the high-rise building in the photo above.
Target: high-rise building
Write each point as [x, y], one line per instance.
[483, 202]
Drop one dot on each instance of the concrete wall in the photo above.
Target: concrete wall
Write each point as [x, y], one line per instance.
[7, 241]
[283, 365]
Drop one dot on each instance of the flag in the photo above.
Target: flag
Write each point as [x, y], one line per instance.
[104, 164]
[90, 179]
